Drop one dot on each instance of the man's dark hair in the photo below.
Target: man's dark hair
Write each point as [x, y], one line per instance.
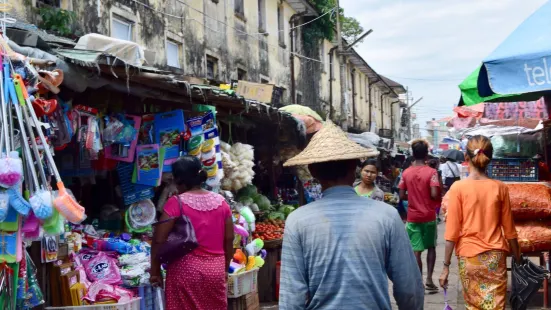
[420, 149]
[332, 170]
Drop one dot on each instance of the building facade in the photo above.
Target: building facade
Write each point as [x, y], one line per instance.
[254, 40]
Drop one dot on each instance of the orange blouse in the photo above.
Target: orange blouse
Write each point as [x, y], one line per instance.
[479, 217]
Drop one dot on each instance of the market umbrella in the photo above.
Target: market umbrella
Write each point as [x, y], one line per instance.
[454, 155]
[470, 95]
[521, 64]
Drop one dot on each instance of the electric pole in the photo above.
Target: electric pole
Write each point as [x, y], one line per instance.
[344, 106]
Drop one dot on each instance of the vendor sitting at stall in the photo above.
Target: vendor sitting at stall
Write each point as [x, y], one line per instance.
[367, 187]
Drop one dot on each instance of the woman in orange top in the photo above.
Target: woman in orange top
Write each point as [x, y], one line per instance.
[481, 229]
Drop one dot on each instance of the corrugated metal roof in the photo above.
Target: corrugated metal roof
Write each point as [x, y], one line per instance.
[22, 24]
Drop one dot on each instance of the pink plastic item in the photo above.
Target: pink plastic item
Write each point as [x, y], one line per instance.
[99, 291]
[104, 269]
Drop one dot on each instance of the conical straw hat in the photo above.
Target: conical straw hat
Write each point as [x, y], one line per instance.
[330, 144]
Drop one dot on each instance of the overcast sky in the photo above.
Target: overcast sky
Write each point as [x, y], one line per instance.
[432, 45]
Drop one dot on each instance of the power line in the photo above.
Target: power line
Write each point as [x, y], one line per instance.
[225, 24]
[425, 79]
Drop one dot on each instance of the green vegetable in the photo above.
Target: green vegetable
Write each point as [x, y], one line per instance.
[246, 200]
[287, 210]
[263, 202]
[276, 216]
[249, 191]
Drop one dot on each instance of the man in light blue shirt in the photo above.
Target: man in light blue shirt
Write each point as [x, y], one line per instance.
[340, 251]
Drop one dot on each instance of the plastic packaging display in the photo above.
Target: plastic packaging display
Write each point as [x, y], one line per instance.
[103, 268]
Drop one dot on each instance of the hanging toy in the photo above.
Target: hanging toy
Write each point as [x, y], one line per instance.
[248, 214]
[239, 257]
[258, 262]
[263, 253]
[254, 247]
[240, 230]
[251, 262]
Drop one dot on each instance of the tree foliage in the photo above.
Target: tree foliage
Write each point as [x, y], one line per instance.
[351, 29]
[324, 28]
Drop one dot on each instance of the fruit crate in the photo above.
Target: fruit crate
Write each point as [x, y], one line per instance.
[134, 304]
[242, 283]
[514, 169]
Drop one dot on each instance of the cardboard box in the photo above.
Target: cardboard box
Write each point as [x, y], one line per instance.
[252, 302]
[247, 302]
[256, 91]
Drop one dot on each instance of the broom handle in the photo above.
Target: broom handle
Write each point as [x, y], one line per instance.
[4, 118]
[27, 149]
[21, 88]
[29, 128]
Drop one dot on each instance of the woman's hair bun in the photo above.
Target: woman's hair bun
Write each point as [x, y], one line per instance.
[480, 151]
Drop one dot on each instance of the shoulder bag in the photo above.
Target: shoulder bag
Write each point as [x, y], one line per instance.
[181, 240]
[448, 182]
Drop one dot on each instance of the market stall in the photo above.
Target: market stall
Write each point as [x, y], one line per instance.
[107, 147]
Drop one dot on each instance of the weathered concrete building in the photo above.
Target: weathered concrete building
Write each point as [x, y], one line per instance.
[254, 40]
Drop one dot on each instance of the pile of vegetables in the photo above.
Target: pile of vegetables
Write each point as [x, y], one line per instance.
[249, 196]
[269, 230]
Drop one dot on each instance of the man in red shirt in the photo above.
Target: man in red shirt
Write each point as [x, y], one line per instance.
[419, 186]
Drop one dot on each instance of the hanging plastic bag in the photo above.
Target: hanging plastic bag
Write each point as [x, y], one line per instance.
[113, 128]
[34, 293]
[446, 306]
[159, 298]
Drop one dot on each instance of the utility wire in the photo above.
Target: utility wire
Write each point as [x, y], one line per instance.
[225, 24]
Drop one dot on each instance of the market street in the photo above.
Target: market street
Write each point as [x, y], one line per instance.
[432, 301]
[436, 301]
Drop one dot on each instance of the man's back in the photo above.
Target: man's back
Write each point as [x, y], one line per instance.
[417, 181]
[338, 251]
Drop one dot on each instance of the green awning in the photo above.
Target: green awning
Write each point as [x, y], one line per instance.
[469, 91]
[470, 96]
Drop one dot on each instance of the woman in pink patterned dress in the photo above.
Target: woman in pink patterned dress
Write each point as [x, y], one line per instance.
[197, 280]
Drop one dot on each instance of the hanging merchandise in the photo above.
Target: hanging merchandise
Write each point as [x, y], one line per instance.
[41, 199]
[149, 164]
[63, 132]
[65, 204]
[132, 192]
[168, 129]
[146, 135]
[120, 137]
[203, 142]
[139, 216]
[49, 249]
